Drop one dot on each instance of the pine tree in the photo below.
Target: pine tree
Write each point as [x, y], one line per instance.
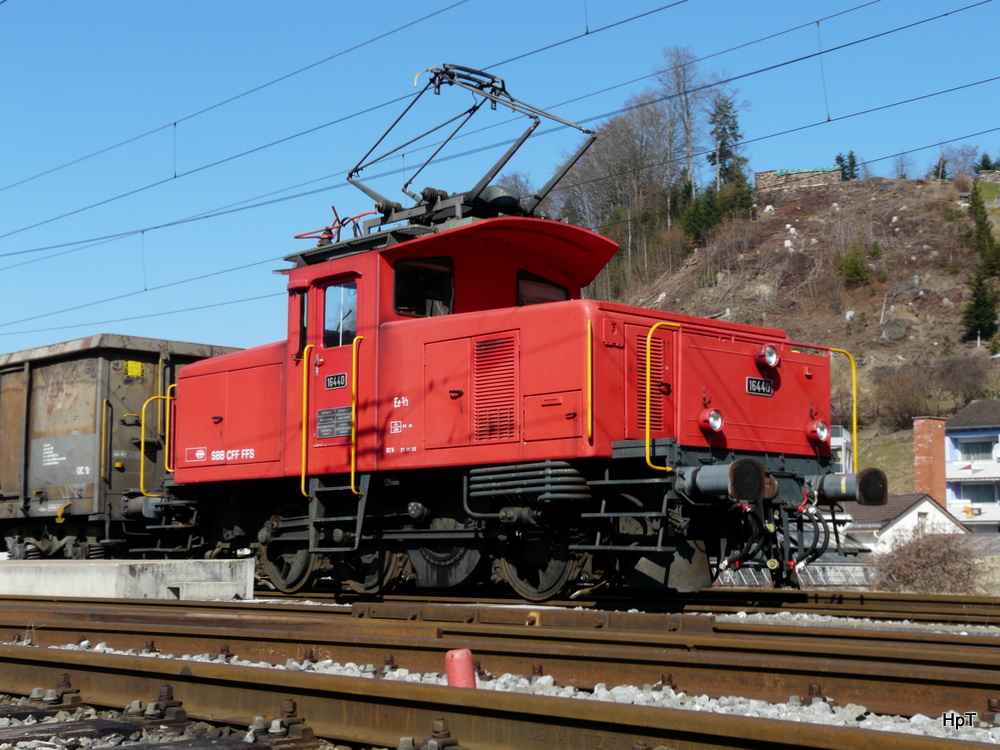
[985, 163]
[980, 314]
[940, 170]
[852, 166]
[848, 166]
[982, 233]
[726, 135]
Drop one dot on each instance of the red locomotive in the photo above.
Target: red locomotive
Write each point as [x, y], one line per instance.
[446, 410]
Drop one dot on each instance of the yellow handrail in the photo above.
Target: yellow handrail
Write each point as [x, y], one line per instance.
[854, 409]
[166, 449]
[590, 381]
[142, 445]
[160, 371]
[305, 414]
[104, 439]
[354, 411]
[649, 395]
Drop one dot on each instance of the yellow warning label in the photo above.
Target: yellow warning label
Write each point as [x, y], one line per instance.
[135, 369]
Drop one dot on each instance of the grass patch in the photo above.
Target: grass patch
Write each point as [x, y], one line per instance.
[988, 191]
[893, 454]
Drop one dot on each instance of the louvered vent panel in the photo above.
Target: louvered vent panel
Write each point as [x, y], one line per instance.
[495, 388]
[656, 394]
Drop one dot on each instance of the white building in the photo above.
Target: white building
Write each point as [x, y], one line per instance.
[972, 465]
[879, 527]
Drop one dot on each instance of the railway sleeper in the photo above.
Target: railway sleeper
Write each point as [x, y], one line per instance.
[60, 714]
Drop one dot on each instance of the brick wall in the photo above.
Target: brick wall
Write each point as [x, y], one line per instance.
[928, 458]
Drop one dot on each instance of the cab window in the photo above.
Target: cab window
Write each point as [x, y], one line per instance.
[533, 290]
[424, 287]
[340, 314]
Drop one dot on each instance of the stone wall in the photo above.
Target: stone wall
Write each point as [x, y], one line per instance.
[788, 179]
[985, 176]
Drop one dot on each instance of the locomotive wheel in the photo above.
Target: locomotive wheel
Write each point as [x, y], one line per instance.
[289, 567]
[538, 570]
[287, 563]
[370, 572]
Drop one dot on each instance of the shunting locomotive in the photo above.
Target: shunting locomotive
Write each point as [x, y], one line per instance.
[447, 411]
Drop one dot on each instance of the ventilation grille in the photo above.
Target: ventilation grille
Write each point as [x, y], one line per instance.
[656, 394]
[495, 389]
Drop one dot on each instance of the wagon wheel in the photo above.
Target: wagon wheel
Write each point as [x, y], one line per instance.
[371, 571]
[285, 559]
[537, 569]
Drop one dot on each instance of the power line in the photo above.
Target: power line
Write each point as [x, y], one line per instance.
[231, 99]
[281, 294]
[236, 208]
[148, 315]
[588, 120]
[567, 187]
[592, 119]
[159, 287]
[279, 141]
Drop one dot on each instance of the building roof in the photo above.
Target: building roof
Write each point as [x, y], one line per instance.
[978, 414]
[880, 516]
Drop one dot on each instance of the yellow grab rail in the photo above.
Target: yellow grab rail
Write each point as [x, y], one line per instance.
[649, 394]
[354, 411]
[104, 440]
[305, 414]
[166, 448]
[142, 445]
[854, 408]
[590, 381]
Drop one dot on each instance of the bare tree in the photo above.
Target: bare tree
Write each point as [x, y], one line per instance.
[903, 166]
[961, 159]
[618, 187]
[683, 84]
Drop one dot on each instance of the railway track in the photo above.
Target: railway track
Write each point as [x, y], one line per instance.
[57, 718]
[886, 671]
[946, 609]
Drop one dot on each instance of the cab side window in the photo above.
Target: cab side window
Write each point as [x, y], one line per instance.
[424, 287]
[340, 314]
[533, 290]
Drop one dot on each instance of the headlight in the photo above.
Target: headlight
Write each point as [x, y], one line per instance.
[767, 356]
[711, 420]
[819, 431]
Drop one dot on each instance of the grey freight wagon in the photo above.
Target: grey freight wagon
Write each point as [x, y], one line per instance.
[80, 441]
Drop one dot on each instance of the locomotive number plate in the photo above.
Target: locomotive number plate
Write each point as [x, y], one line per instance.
[336, 381]
[760, 387]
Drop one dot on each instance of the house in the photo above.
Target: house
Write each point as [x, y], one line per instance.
[879, 527]
[972, 465]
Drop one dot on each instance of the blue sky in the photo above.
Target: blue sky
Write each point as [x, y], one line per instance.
[83, 77]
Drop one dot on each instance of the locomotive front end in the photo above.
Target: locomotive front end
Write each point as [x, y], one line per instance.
[732, 423]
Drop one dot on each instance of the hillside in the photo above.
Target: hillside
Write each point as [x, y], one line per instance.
[877, 267]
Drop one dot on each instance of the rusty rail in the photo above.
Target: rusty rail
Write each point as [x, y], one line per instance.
[368, 711]
[885, 671]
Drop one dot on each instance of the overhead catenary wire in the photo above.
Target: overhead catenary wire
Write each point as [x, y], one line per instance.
[936, 144]
[270, 144]
[594, 118]
[229, 100]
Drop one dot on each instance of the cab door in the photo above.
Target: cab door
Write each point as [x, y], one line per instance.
[332, 367]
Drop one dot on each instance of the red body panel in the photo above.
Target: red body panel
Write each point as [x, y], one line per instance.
[492, 382]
